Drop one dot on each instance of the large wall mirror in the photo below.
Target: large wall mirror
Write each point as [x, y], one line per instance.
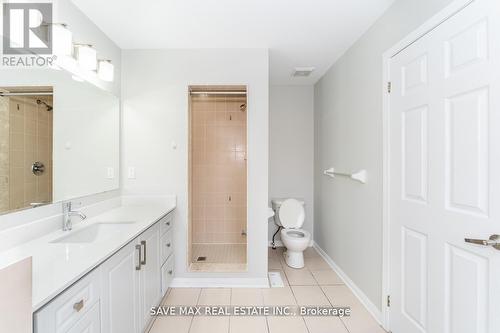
[59, 138]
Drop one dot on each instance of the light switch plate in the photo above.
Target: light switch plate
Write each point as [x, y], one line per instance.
[111, 173]
[131, 173]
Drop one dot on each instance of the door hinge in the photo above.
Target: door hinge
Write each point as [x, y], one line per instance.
[388, 301]
[389, 87]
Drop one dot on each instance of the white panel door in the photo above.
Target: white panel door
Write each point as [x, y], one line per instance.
[445, 176]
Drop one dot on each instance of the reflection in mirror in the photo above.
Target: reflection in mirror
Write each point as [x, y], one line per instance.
[26, 147]
[59, 138]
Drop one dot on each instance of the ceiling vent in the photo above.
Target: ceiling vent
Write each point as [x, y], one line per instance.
[302, 71]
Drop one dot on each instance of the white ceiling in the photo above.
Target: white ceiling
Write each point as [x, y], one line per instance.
[298, 33]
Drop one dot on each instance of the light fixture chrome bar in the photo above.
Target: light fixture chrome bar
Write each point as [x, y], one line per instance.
[34, 93]
[199, 92]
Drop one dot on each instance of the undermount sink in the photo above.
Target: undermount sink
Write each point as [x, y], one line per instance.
[94, 233]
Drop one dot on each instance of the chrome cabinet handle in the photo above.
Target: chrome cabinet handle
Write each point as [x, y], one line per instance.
[493, 241]
[78, 305]
[143, 261]
[138, 266]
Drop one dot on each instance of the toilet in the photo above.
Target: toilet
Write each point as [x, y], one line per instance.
[290, 215]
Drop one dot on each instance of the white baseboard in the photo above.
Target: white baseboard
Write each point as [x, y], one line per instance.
[220, 283]
[368, 304]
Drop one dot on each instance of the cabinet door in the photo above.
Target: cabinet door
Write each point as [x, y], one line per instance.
[150, 272]
[120, 291]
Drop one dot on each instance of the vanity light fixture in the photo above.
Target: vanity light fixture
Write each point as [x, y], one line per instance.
[62, 39]
[86, 56]
[106, 70]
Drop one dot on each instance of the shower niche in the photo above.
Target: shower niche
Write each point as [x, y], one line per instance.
[217, 178]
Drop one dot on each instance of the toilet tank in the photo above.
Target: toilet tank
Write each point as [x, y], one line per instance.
[276, 203]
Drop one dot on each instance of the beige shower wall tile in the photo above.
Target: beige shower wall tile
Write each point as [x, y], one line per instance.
[30, 142]
[30, 126]
[217, 178]
[16, 124]
[30, 190]
[217, 199]
[215, 226]
[198, 226]
[235, 212]
[214, 213]
[233, 226]
[16, 141]
[198, 212]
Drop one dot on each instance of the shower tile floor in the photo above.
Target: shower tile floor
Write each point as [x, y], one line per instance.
[314, 285]
[219, 257]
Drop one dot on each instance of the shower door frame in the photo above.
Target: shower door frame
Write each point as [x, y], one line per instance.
[229, 87]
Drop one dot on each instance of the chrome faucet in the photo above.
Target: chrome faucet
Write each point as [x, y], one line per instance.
[67, 213]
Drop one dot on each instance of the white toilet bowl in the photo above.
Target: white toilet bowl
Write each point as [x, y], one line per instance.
[295, 241]
[290, 215]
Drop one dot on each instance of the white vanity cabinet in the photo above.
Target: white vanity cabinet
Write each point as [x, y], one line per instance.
[115, 297]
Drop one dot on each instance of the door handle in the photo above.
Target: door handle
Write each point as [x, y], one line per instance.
[143, 261]
[138, 266]
[493, 241]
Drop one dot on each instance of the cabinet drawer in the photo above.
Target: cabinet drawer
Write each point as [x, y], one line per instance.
[70, 306]
[166, 246]
[166, 223]
[90, 322]
[167, 274]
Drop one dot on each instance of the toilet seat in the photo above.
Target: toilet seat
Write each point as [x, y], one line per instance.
[292, 214]
[297, 234]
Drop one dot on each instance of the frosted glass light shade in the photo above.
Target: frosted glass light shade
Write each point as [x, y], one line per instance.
[62, 41]
[106, 70]
[86, 56]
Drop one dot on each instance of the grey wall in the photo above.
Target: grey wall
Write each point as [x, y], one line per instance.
[348, 136]
[291, 147]
[155, 136]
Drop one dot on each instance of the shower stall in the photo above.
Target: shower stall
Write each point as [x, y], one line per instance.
[217, 178]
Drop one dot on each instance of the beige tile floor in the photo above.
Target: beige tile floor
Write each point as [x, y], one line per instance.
[219, 258]
[314, 285]
[221, 253]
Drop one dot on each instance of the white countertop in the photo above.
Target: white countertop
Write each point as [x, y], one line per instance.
[58, 265]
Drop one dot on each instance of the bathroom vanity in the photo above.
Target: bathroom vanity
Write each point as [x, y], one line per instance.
[105, 275]
[60, 157]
